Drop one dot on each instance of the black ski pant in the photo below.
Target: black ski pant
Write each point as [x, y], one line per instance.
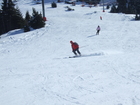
[76, 50]
[97, 33]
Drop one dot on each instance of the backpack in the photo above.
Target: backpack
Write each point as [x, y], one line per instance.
[76, 44]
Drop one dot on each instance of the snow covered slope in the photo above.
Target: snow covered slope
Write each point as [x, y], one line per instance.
[35, 68]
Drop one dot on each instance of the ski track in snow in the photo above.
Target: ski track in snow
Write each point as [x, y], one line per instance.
[36, 70]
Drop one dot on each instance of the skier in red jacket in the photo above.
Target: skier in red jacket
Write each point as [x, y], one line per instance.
[75, 48]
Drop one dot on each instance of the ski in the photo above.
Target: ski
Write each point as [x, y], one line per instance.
[74, 56]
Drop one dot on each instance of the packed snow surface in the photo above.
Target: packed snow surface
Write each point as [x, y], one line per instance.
[35, 68]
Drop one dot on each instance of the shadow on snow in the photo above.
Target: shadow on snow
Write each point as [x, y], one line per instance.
[86, 55]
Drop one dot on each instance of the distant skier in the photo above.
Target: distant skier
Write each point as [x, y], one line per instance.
[100, 17]
[98, 30]
[75, 48]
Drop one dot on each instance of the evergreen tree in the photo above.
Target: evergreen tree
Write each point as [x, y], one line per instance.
[137, 4]
[108, 6]
[6, 7]
[27, 16]
[135, 8]
[2, 25]
[26, 28]
[54, 5]
[91, 1]
[37, 20]
[11, 16]
[113, 9]
[27, 22]
[131, 9]
[122, 6]
[17, 19]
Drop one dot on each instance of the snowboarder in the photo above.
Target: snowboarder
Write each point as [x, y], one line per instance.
[98, 30]
[75, 48]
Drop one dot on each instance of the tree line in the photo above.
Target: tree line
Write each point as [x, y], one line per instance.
[11, 18]
[94, 2]
[127, 7]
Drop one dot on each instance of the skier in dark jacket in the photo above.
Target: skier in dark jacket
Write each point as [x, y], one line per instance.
[75, 48]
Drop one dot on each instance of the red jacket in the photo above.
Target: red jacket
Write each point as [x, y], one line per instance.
[74, 45]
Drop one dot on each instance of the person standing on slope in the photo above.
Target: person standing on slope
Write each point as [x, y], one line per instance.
[98, 30]
[75, 48]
